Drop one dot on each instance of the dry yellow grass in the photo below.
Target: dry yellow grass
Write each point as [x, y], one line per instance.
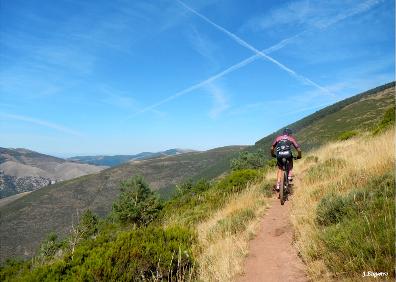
[363, 158]
[221, 254]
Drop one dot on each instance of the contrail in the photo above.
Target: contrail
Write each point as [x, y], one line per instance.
[228, 70]
[243, 43]
[42, 123]
[361, 8]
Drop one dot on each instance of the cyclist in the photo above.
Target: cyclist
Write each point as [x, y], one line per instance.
[282, 148]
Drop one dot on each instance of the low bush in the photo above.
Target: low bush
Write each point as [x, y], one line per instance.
[237, 180]
[387, 121]
[191, 187]
[203, 198]
[272, 163]
[136, 204]
[88, 225]
[267, 188]
[234, 223]
[137, 255]
[49, 248]
[12, 268]
[248, 160]
[311, 159]
[331, 209]
[347, 135]
[325, 169]
[357, 229]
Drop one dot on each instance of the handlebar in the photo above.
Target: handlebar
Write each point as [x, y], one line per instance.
[295, 158]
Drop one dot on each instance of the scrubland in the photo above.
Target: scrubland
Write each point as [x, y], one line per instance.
[344, 209]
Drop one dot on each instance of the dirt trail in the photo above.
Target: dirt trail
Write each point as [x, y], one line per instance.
[271, 254]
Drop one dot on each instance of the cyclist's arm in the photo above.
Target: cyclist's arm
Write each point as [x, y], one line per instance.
[297, 147]
[273, 151]
[273, 147]
[299, 153]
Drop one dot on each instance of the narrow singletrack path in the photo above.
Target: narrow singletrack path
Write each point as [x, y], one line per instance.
[272, 257]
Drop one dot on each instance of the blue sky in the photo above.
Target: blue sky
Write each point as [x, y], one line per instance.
[121, 77]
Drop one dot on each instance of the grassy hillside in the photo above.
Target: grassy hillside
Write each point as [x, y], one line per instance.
[360, 112]
[22, 224]
[22, 170]
[181, 244]
[120, 159]
[344, 212]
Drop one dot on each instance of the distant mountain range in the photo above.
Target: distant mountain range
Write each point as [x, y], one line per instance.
[23, 170]
[120, 159]
[21, 221]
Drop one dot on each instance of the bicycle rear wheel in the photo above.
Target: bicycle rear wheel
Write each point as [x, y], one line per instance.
[282, 190]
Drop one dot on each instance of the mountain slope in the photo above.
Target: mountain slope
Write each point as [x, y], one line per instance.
[343, 210]
[360, 112]
[22, 224]
[119, 159]
[23, 229]
[22, 170]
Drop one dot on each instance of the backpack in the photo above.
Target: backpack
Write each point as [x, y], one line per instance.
[283, 149]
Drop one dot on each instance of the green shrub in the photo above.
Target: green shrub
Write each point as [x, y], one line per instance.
[325, 169]
[48, 248]
[237, 181]
[190, 187]
[331, 209]
[234, 223]
[248, 160]
[204, 198]
[311, 159]
[387, 121]
[88, 225]
[266, 188]
[12, 268]
[347, 135]
[136, 204]
[359, 233]
[141, 254]
[272, 163]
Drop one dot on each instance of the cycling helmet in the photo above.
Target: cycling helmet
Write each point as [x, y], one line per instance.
[287, 131]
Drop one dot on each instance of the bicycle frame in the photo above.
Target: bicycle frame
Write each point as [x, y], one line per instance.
[284, 187]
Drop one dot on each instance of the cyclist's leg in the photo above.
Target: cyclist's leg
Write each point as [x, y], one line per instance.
[279, 174]
[278, 178]
[291, 169]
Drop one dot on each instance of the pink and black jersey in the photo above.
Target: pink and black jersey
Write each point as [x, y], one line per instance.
[284, 143]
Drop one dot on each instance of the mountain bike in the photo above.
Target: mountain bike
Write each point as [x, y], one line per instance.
[285, 187]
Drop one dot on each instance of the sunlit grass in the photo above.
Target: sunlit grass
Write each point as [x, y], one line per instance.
[344, 219]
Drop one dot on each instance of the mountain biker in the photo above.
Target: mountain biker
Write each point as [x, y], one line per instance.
[282, 148]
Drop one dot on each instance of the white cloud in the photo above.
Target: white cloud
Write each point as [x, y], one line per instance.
[40, 122]
[220, 101]
[290, 13]
[261, 54]
[306, 13]
[203, 45]
[117, 98]
[244, 63]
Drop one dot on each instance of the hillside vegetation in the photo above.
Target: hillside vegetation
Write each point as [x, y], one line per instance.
[218, 213]
[358, 113]
[22, 227]
[201, 234]
[22, 170]
[344, 212]
[120, 159]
